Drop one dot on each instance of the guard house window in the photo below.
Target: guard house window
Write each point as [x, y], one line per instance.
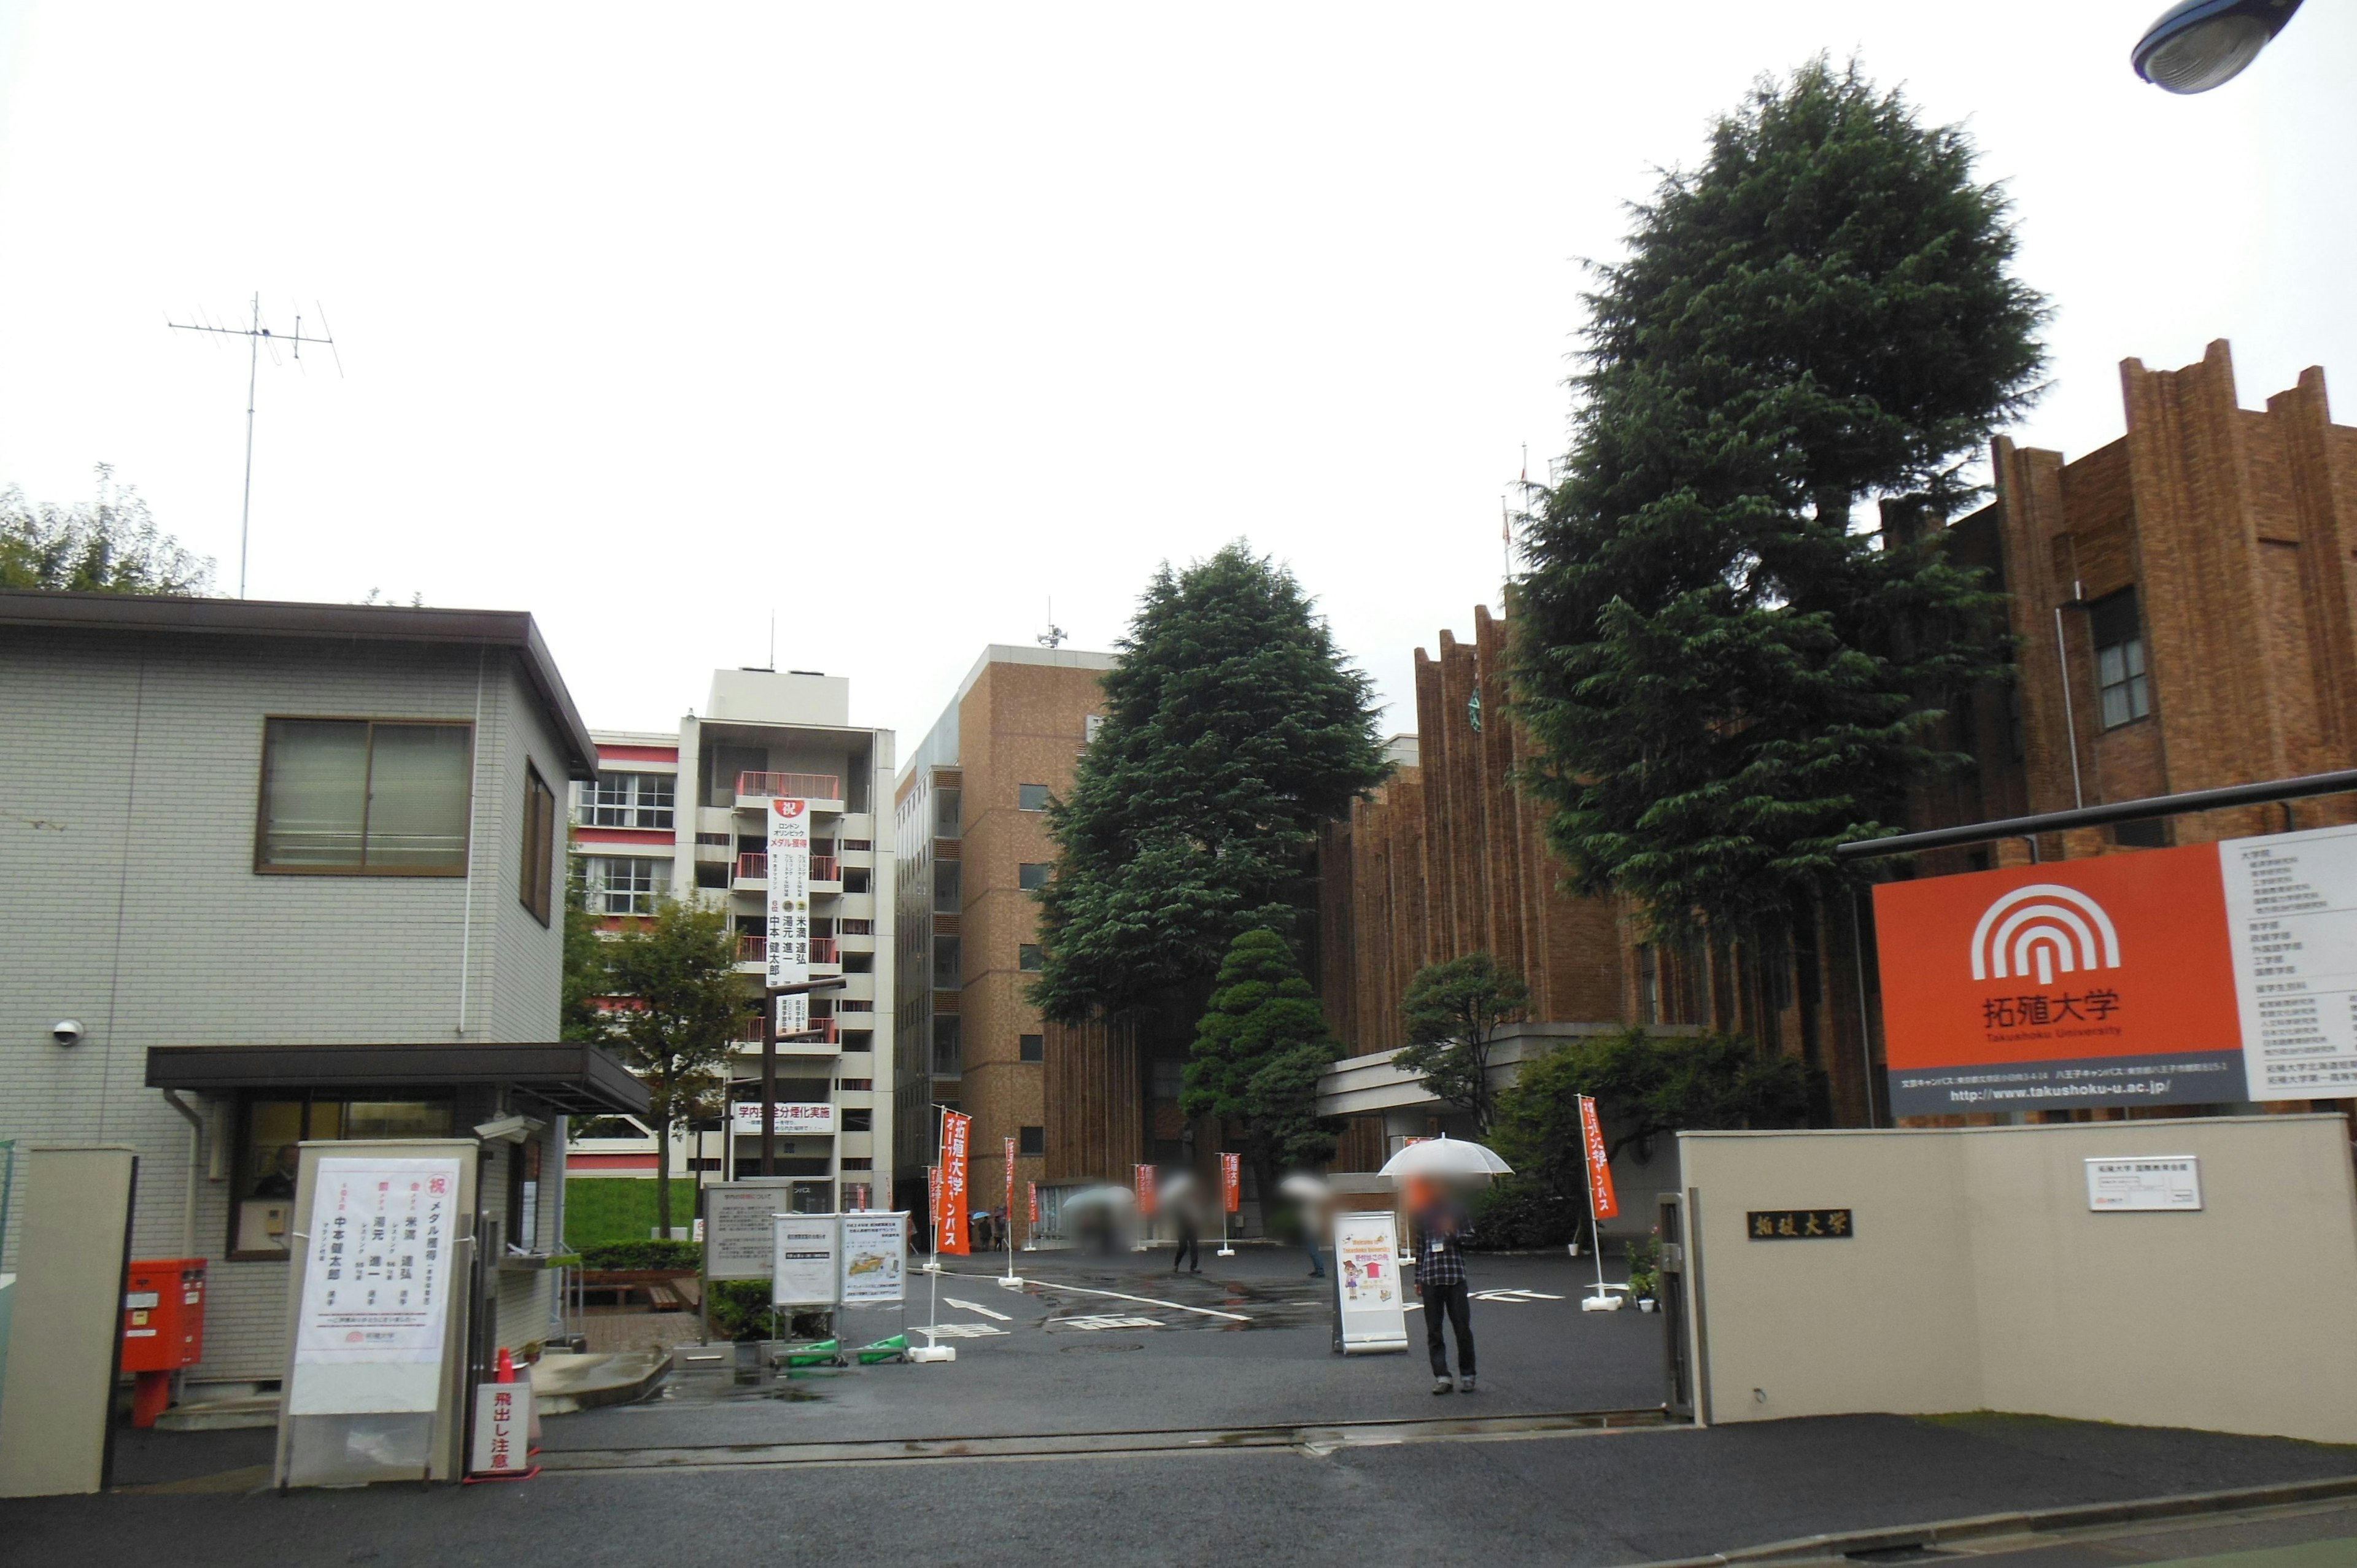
[364, 798]
[1031, 1140]
[626, 884]
[1033, 874]
[1032, 1047]
[539, 842]
[1027, 958]
[2120, 676]
[263, 1168]
[1031, 797]
[629, 801]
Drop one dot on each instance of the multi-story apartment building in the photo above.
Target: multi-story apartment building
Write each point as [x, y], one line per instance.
[2183, 605]
[970, 820]
[687, 813]
[283, 872]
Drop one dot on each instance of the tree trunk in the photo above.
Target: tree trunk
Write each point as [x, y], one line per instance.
[662, 1177]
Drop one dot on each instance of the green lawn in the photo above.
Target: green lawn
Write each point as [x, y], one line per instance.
[620, 1208]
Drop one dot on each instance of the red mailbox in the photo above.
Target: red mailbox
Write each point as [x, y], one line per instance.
[163, 1329]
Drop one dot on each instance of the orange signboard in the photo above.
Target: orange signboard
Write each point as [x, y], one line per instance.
[1602, 1203]
[2107, 980]
[954, 1237]
[1232, 1183]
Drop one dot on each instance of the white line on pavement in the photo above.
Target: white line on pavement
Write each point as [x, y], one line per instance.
[976, 1307]
[1124, 1295]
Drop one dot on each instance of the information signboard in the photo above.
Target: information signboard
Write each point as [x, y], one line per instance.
[803, 1269]
[875, 1258]
[379, 1272]
[786, 949]
[2205, 974]
[2145, 1184]
[1371, 1306]
[740, 1229]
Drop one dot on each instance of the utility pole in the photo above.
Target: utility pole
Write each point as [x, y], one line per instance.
[255, 333]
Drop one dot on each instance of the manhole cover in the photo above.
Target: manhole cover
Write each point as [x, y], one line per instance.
[1104, 1345]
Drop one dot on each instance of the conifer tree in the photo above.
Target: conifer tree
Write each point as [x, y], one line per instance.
[1724, 675]
[1233, 729]
[1258, 1053]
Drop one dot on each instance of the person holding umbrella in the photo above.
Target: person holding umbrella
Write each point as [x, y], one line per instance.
[1441, 1229]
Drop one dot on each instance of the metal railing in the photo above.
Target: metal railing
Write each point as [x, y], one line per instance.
[753, 949]
[794, 786]
[752, 866]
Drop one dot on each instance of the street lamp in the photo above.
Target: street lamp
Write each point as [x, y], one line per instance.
[2201, 44]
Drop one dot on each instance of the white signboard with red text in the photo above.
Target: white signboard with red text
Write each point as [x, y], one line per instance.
[786, 947]
[786, 1120]
[381, 1267]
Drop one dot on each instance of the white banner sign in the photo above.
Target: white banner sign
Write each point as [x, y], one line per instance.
[802, 1264]
[2291, 916]
[380, 1272]
[875, 1257]
[787, 1121]
[1367, 1283]
[788, 947]
[2147, 1183]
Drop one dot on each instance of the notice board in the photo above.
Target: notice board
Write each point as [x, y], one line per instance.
[1370, 1293]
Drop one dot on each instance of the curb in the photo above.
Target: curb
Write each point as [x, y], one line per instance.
[1838, 1545]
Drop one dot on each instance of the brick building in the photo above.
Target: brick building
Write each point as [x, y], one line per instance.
[2184, 605]
[970, 818]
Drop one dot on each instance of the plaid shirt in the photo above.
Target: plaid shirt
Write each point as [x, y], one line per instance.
[1440, 1259]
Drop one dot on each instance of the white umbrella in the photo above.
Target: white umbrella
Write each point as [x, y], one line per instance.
[1444, 1155]
[1303, 1187]
[1106, 1197]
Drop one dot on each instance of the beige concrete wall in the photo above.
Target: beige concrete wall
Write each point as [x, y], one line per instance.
[1978, 1278]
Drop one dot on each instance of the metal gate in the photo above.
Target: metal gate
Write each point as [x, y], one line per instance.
[1676, 1302]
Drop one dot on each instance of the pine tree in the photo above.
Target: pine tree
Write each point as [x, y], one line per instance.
[1452, 1012]
[1259, 1051]
[1233, 729]
[1723, 675]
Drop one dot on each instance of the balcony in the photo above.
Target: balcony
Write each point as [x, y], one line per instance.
[822, 949]
[858, 927]
[825, 868]
[753, 949]
[794, 786]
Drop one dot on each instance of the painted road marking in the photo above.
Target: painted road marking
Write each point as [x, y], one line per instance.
[976, 1306]
[1124, 1295]
[960, 1330]
[1515, 1296]
[1100, 1322]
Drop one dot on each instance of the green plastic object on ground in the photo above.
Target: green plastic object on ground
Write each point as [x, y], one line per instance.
[896, 1349]
[824, 1353]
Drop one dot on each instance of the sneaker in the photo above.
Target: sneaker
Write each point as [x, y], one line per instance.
[1466, 1382]
[1443, 1386]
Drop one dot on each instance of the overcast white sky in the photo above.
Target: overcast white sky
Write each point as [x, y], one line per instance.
[900, 321]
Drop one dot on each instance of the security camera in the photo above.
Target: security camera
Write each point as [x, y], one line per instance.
[66, 1031]
[510, 1128]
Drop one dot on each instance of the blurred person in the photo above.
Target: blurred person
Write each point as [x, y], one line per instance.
[1441, 1229]
[1182, 1215]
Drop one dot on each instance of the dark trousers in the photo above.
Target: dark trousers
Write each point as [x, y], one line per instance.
[1188, 1252]
[1448, 1298]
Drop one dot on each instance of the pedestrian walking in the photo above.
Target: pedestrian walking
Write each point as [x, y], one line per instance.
[1183, 1212]
[1440, 1280]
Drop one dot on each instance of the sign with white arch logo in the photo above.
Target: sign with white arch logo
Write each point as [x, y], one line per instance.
[2209, 975]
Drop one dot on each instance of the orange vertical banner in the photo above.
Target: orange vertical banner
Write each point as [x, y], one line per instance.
[956, 1129]
[1145, 1192]
[1031, 1190]
[933, 1203]
[1232, 1182]
[1601, 1203]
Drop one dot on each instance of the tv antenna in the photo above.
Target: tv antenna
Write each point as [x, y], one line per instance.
[1055, 634]
[255, 334]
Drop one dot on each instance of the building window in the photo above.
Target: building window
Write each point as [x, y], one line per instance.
[945, 812]
[858, 1119]
[354, 797]
[626, 884]
[1033, 874]
[1031, 1140]
[1026, 957]
[263, 1164]
[947, 1051]
[948, 879]
[2119, 659]
[539, 842]
[859, 1163]
[1032, 1047]
[1031, 797]
[947, 964]
[628, 801]
[854, 1085]
[1089, 726]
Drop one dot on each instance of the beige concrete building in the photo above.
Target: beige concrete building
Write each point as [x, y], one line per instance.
[971, 827]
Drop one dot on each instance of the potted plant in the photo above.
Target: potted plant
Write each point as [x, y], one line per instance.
[1645, 1269]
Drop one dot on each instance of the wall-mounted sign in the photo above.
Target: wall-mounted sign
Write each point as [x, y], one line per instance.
[786, 1121]
[786, 947]
[2207, 974]
[1798, 1224]
[2148, 1183]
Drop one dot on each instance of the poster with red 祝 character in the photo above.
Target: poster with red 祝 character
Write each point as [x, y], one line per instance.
[956, 1128]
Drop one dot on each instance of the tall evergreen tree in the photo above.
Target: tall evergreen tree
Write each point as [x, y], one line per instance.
[1453, 1011]
[1233, 729]
[1258, 1052]
[1724, 675]
[107, 545]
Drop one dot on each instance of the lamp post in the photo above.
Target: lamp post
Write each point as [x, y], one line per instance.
[2197, 45]
[769, 1060]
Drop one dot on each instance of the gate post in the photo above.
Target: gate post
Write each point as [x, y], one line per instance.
[1676, 1361]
